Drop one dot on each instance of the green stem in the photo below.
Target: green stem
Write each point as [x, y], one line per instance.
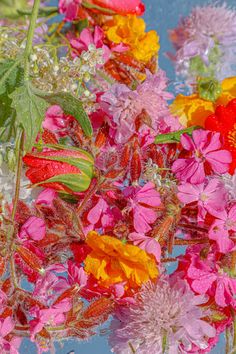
[173, 137]
[234, 335]
[30, 37]
[227, 341]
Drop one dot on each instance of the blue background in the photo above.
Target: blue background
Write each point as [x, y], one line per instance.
[160, 15]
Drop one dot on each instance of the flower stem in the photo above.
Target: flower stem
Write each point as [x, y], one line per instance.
[30, 37]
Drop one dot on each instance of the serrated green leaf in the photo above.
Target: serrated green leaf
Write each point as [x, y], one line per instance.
[30, 111]
[7, 118]
[71, 106]
[11, 75]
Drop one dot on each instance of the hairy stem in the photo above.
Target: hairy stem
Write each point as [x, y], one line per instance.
[30, 37]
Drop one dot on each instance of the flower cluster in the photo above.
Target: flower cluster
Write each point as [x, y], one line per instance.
[102, 179]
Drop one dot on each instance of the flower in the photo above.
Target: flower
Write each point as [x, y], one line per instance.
[65, 170]
[130, 30]
[208, 278]
[207, 196]
[205, 155]
[165, 315]
[148, 244]
[224, 121]
[55, 120]
[122, 7]
[142, 201]
[205, 42]
[221, 227]
[69, 8]
[8, 346]
[125, 105]
[193, 110]
[88, 39]
[113, 262]
[34, 228]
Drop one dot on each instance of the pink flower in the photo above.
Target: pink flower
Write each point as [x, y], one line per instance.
[222, 228]
[77, 275]
[53, 316]
[69, 8]
[122, 7]
[210, 279]
[141, 202]
[8, 346]
[34, 228]
[207, 196]
[55, 120]
[204, 147]
[46, 197]
[88, 39]
[148, 244]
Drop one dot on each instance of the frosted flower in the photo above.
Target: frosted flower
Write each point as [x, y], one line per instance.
[205, 42]
[165, 319]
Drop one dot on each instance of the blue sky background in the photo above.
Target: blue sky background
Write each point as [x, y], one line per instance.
[161, 15]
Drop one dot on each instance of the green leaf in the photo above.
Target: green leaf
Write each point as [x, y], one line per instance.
[11, 75]
[174, 137]
[75, 182]
[71, 106]
[30, 112]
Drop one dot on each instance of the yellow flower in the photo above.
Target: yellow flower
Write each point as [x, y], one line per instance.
[193, 110]
[130, 30]
[111, 262]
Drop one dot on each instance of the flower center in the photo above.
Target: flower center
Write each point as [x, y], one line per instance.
[232, 137]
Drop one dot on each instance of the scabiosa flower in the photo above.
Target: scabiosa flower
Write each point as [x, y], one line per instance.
[125, 105]
[205, 156]
[205, 42]
[166, 316]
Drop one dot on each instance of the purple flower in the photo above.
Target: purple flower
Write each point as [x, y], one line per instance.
[166, 316]
[125, 105]
[209, 33]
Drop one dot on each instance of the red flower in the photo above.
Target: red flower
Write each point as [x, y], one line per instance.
[224, 121]
[63, 170]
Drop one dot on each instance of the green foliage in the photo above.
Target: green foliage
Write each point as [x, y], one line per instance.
[30, 111]
[173, 137]
[71, 106]
[209, 89]
[11, 75]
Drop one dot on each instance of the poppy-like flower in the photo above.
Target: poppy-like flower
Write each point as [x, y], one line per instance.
[222, 228]
[113, 262]
[130, 30]
[206, 155]
[193, 110]
[205, 42]
[224, 122]
[67, 171]
[165, 315]
[207, 196]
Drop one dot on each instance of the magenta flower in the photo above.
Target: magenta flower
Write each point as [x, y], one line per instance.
[142, 202]
[69, 8]
[223, 228]
[8, 346]
[46, 197]
[34, 228]
[87, 39]
[204, 147]
[148, 244]
[55, 120]
[53, 316]
[167, 312]
[207, 196]
[208, 278]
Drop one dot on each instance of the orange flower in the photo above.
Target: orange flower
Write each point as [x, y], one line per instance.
[113, 262]
[193, 110]
[130, 30]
